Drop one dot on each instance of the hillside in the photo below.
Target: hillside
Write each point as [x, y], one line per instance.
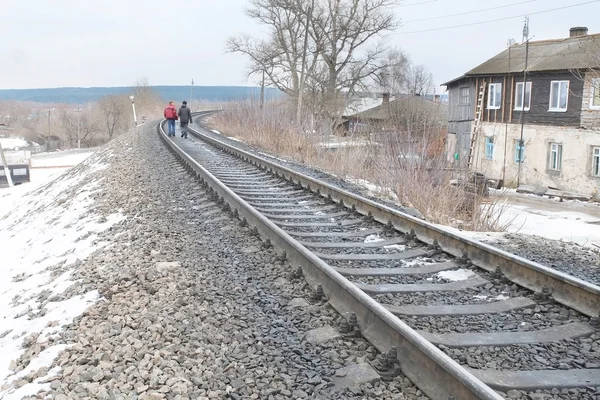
[78, 95]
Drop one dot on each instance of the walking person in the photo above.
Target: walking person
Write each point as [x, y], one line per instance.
[171, 116]
[185, 118]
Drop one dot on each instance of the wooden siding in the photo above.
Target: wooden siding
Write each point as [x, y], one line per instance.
[458, 112]
[540, 100]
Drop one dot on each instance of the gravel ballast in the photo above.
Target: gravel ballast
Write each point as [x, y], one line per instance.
[570, 258]
[193, 306]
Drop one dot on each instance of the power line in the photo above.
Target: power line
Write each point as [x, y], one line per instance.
[417, 4]
[470, 12]
[498, 19]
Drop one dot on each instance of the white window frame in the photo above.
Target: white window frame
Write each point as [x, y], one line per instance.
[596, 161]
[558, 109]
[555, 162]
[497, 89]
[519, 98]
[595, 84]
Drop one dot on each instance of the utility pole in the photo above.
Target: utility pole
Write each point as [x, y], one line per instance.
[510, 43]
[262, 90]
[301, 85]
[521, 159]
[6, 169]
[78, 111]
[49, 110]
[191, 93]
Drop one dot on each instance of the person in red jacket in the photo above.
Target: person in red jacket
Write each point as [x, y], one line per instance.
[171, 116]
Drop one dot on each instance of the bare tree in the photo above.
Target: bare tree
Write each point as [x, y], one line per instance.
[393, 78]
[419, 80]
[111, 108]
[345, 50]
[83, 126]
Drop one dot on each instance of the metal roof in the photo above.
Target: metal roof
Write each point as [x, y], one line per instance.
[573, 53]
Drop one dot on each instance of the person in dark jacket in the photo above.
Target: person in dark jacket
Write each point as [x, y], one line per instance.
[185, 118]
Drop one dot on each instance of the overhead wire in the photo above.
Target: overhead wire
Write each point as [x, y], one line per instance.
[417, 4]
[470, 12]
[497, 19]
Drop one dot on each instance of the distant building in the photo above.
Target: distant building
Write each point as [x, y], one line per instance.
[559, 107]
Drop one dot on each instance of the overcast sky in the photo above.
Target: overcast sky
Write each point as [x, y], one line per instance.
[115, 42]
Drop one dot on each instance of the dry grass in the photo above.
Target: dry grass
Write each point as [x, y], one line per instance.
[405, 172]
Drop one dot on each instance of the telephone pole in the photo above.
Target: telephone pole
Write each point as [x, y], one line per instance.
[262, 90]
[521, 150]
[191, 93]
[78, 111]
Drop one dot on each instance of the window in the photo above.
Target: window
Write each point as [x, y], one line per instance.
[519, 151]
[595, 94]
[465, 96]
[489, 148]
[596, 161]
[555, 156]
[19, 171]
[494, 96]
[559, 96]
[519, 96]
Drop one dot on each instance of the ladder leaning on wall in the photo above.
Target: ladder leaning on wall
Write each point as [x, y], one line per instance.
[476, 124]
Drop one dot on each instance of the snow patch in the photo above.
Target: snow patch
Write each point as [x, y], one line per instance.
[374, 190]
[373, 239]
[455, 275]
[398, 247]
[44, 233]
[215, 131]
[235, 139]
[13, 143]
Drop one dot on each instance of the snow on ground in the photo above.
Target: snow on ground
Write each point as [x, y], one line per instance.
[455, 275]
[215, 131]
[235, 139]
[59, 159]
[13, 143]
[44, 232]
[373, 239]
[374, 190]
[567, 225]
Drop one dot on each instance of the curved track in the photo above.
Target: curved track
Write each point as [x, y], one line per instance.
[378, 263]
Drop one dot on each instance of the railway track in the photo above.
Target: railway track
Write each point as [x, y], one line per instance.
[460, 318]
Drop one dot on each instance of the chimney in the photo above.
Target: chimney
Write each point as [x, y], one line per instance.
[386, 98]
[578, 31]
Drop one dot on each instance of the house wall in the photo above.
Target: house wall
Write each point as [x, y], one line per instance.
[458, 112]
[540, 100]
[575, 174]
[590, 119]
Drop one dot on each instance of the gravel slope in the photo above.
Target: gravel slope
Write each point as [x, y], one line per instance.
[194, 307]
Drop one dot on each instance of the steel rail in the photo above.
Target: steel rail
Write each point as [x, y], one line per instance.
[565, 289]
[435, 373]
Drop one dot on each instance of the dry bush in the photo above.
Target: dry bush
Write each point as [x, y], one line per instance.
[412, 172]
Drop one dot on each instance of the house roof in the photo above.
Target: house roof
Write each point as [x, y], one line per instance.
[572, 53]
[403, 103]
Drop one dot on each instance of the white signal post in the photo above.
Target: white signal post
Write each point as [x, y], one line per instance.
[133, 107]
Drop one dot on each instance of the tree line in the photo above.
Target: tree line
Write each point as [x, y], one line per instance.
[87, 125]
